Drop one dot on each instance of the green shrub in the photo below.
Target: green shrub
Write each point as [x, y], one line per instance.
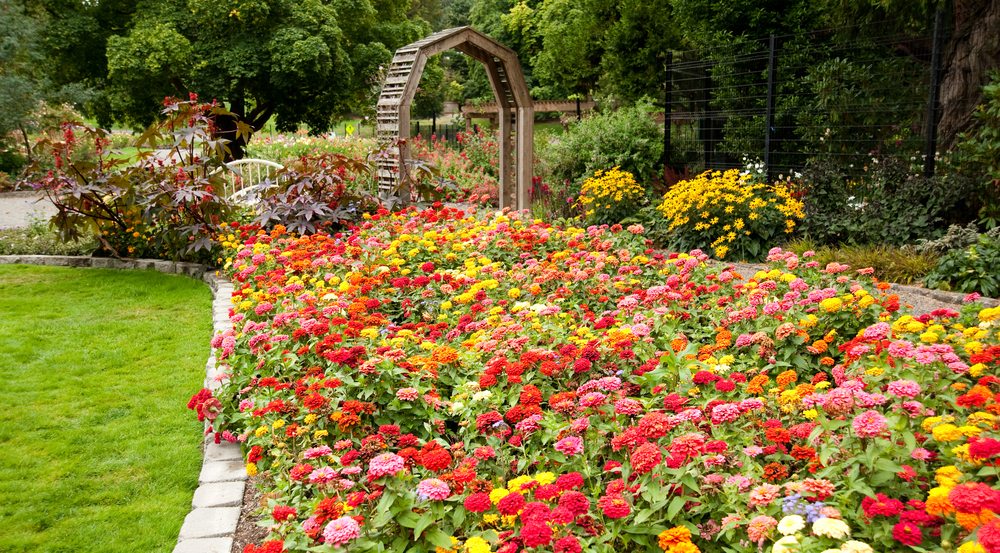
[973, 269]
[888, 206]
[11, 162]
[955, 239]
[627, 138]
[38, 239]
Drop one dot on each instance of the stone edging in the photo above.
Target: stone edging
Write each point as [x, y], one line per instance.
[218, 501]
[956, 298]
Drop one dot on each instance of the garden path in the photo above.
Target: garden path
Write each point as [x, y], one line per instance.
[17, 209]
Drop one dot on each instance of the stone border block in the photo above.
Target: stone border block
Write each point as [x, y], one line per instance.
[228, 494]
[224, 451]
[222, 471]
[211, 522]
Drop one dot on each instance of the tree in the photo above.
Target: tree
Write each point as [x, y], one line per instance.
[303, 62]
[24, 79]
[635, 48]
[429, 100]
[571, 34]
[19, 80]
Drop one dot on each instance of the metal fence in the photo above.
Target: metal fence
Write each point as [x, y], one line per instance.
[785, 100]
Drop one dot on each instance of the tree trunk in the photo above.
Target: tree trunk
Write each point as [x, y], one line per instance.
[225, 126]
[974, 49]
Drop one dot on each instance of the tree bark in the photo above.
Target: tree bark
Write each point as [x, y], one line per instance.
[973, 50]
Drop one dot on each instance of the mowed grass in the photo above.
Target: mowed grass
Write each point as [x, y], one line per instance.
[98, 451]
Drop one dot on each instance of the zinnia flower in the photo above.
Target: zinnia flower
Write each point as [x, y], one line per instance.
[571, 445]
[907, 533]
[433, 488]
[614, 506]
[759, 527]
[341, 531]
[869, 424]
[791, 524]
[386, 463]
[831, 528]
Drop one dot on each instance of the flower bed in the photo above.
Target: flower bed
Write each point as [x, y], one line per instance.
[436, 382]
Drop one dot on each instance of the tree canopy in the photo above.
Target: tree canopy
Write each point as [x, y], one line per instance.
[303, 61]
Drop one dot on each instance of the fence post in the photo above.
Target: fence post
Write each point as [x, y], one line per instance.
[705, 121]
[933, 94]
[668, 85]
[772, 73]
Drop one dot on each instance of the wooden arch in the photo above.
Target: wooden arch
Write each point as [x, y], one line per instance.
[515, 108]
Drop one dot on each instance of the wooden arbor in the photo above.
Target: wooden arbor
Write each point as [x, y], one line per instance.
[515, 109]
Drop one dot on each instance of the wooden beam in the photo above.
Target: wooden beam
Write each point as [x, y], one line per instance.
[525, 156]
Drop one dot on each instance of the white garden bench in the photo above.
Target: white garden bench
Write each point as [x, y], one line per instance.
[244, 173]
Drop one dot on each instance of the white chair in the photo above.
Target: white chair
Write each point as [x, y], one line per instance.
[245, 173]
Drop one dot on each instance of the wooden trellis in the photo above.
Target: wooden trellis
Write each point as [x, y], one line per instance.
[515, 108]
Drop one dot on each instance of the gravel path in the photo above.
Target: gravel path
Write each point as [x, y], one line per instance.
[17, 209]
[921, 300]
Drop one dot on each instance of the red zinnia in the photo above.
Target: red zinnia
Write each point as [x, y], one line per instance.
[436, 459]
[536, 533]
[646, 457]
[569, 481]
[569, 544]
[907, 533]
[575, 502]
[511, 504]
[989, 536]
[614, 506]
[478, 502]
[974, 497]
[282, 512]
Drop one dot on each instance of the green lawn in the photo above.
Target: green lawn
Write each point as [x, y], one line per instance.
[98, 451]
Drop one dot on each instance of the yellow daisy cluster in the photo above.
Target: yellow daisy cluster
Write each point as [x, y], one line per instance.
[608, 190]
[726, 206]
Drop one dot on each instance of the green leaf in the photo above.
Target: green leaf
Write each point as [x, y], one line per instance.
[675, 506]
[407, 519]
[437, 537]
[425, 520]
[642, 515]
[887, 465]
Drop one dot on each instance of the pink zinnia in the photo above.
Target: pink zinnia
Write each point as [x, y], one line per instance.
[571, 445]
[386, 463]
[341, 531]
[592, 399]
[433, 488]
[725, 413]
[921, 454]
[904, 388]
[485, 452]
[878, 331]
[322, 475]
[869, 424]
[627, 406]
[320, 451]
[407, 394]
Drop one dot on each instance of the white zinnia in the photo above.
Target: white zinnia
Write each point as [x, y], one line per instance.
[791, 524]
[831, 528]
